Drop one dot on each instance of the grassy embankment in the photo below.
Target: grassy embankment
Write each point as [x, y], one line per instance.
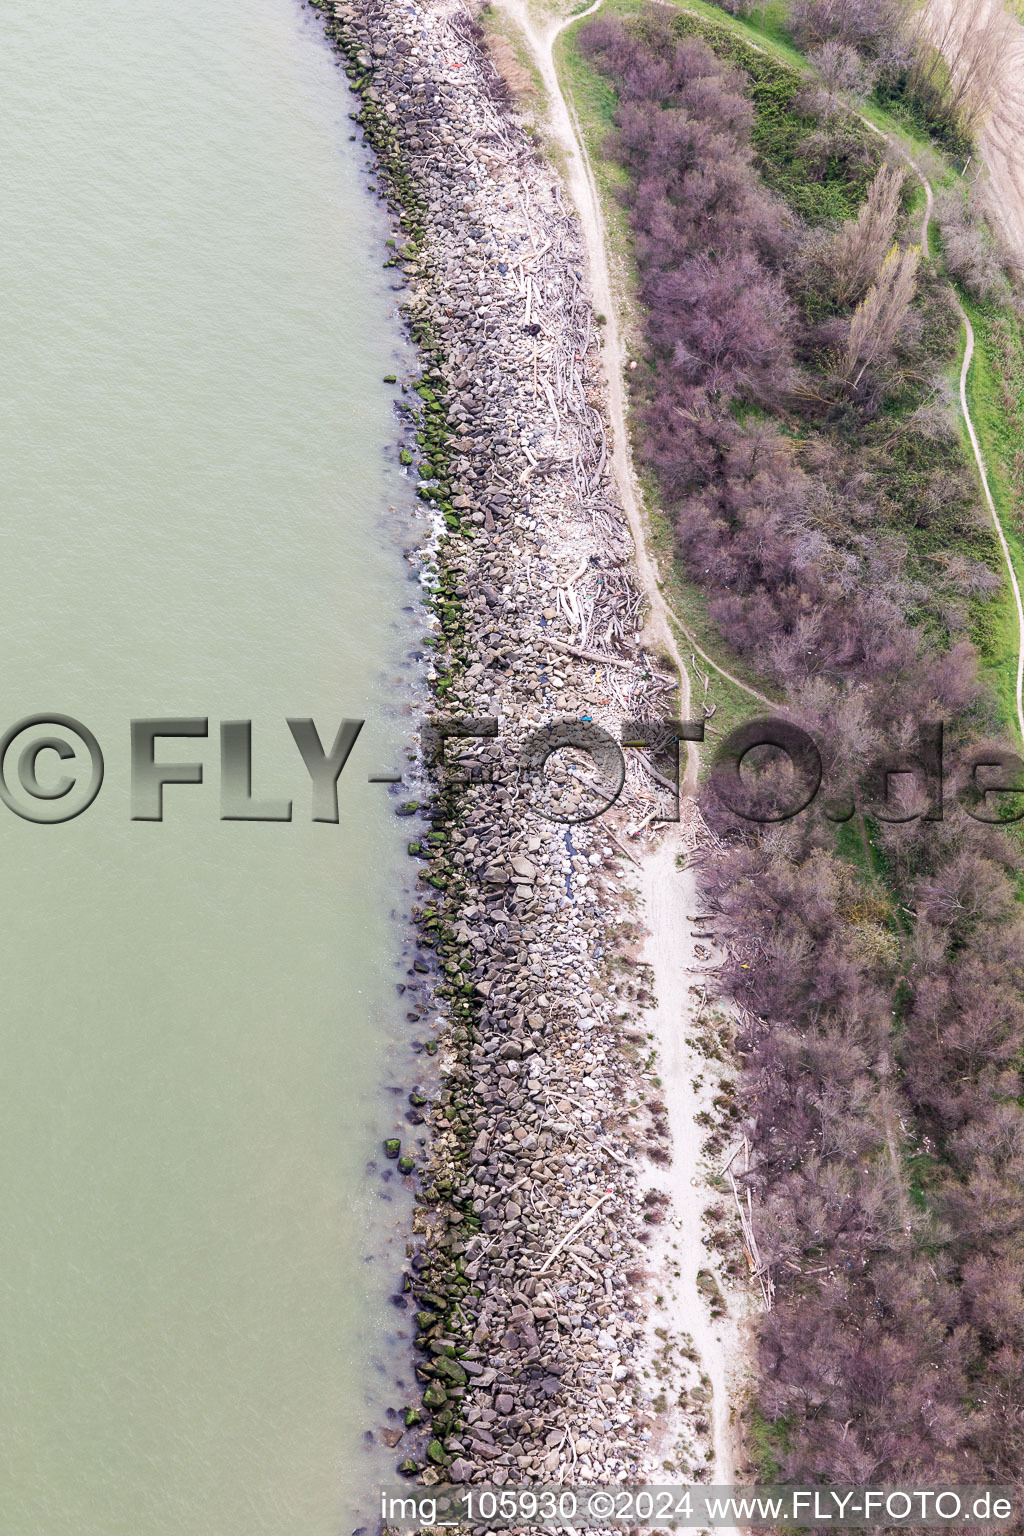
[761, 47]
[996, 393]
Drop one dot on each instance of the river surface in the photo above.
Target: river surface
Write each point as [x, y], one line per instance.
[198, 1016]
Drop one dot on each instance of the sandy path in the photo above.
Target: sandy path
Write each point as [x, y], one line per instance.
[584, 194]
[667, 891]
[669, 894]
[564, 127]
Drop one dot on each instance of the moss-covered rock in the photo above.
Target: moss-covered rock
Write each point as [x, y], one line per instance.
[450, 1370]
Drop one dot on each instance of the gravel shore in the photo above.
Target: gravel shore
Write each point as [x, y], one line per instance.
[530, 1266]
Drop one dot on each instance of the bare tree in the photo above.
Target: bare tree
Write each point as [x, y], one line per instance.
[877, 318]
[962, 48]
[859, 248]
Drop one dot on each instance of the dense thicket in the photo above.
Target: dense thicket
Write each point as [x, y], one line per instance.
[970, 249]
[867, 25]
[833, 525]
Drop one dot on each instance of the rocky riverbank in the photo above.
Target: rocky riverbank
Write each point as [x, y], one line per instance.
[530, 1269]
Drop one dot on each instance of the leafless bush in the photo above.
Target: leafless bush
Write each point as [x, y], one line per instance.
[936, 418]
[843, 70]
[971, 255]
[865, 25]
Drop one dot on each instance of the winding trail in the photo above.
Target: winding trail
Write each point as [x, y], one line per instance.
[583, 190]
[582, 185]
[964, 371]
[979, 458]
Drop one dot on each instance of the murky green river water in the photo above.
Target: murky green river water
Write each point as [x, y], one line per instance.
[196, 1014]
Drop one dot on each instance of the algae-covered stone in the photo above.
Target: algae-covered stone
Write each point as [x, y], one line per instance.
[412, 1418]
[408, 1467]
[435, 1453]
[435, 1396]
[406, 1165]
[392, 1147]
[451, 1370]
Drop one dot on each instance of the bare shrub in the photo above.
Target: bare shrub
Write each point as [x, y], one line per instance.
[844, 73]
[971, 254]
[937, 417]
[861, 24]
[843, 70]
